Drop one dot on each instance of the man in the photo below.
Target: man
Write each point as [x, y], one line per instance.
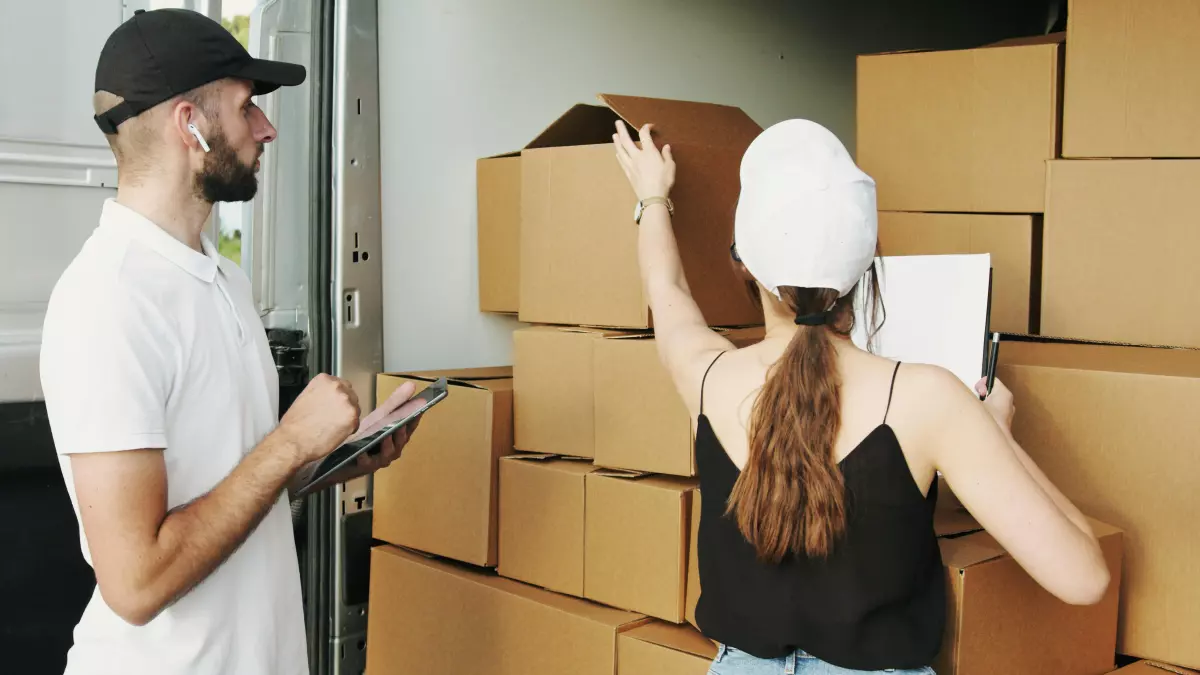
[161, 391]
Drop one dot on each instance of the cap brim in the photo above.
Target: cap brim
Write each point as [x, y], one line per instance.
[268, 76]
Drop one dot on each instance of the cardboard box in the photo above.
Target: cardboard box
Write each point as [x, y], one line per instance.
[1139, 668]
[1116, 429]
[1119, 257]
[1132, 85]
[434, 617]
[961, 131]
[578, 240]
[554, 392]
[1000, 621]
[1014, 243]
[662, 649]
[637, 529]
[440, 496]
[542, 502]
[498, 199]
[693, 579]
[642, 424]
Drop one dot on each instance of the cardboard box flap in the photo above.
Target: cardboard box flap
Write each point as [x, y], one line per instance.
[967, 551]
[1032, 40]
[686, 122]
[581, 125]
[1102, 357]
[530, 457]
[1156, 666]
[650, 480]
[679, 638]
[621, 473]
[954, 522]
[579, 466]
[504, 155]
[1067, 339]
[478, 377]
[606, 616]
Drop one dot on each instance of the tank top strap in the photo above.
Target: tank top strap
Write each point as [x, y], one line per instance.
[891, 390]
[705, 379]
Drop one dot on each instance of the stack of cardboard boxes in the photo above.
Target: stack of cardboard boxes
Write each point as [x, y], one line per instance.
[570, 473]
[544, 519]
[1070, 165]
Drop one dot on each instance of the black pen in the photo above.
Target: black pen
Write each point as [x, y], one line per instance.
[993, 355]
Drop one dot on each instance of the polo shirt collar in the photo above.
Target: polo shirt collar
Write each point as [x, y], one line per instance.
[124, 220]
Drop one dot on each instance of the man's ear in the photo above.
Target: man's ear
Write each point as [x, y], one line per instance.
[184, 114]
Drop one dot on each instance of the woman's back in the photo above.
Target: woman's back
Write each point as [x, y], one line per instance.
[877, 600]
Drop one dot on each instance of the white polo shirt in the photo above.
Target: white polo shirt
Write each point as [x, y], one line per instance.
[150, 344]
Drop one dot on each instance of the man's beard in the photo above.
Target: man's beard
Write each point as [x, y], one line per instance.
[225, 178]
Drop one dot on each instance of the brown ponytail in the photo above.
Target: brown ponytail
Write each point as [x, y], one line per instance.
[790, 498]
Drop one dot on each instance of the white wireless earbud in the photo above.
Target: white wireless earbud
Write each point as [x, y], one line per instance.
[196, 132]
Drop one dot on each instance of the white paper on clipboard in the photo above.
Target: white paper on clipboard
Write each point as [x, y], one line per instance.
[937, 312]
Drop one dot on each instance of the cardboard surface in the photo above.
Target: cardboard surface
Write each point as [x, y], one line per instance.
[936, 312]
[641, 422]
[663, 649]
[960, 131]
[440, 496]
[541, 521]
[1132, 88]
[693, 578]
[578, 238]
[1122, 236]
[498, 197]
[637, 543]
[1000, 621]
[554, 391]
[1116, 429]
[1013, 242]
[434, 617]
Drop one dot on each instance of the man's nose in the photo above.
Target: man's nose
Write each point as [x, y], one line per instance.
[264, 131]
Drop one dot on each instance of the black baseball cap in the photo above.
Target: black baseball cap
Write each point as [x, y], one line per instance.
[163, 53]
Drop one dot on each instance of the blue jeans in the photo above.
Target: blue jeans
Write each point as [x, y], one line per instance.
[732, 661]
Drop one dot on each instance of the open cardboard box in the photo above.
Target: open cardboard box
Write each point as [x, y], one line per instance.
[961, 131]
[440, 496]
[579, 262]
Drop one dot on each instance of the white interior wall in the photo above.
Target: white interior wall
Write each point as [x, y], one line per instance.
[462, 79]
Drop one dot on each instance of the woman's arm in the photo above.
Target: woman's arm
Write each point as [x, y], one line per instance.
[686, 344]
[998, 483]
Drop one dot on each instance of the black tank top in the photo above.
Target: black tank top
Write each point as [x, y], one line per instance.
[878, 601]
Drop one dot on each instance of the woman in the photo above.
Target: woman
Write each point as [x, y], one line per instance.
[817, 460]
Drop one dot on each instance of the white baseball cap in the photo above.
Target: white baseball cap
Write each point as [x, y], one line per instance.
[806, 216]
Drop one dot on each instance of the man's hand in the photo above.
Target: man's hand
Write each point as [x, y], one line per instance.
[321, 418]
[388, 451]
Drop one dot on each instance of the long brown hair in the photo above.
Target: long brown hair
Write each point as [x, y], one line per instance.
[789, 499]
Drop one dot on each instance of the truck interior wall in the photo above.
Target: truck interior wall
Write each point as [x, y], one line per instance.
[463, 79]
